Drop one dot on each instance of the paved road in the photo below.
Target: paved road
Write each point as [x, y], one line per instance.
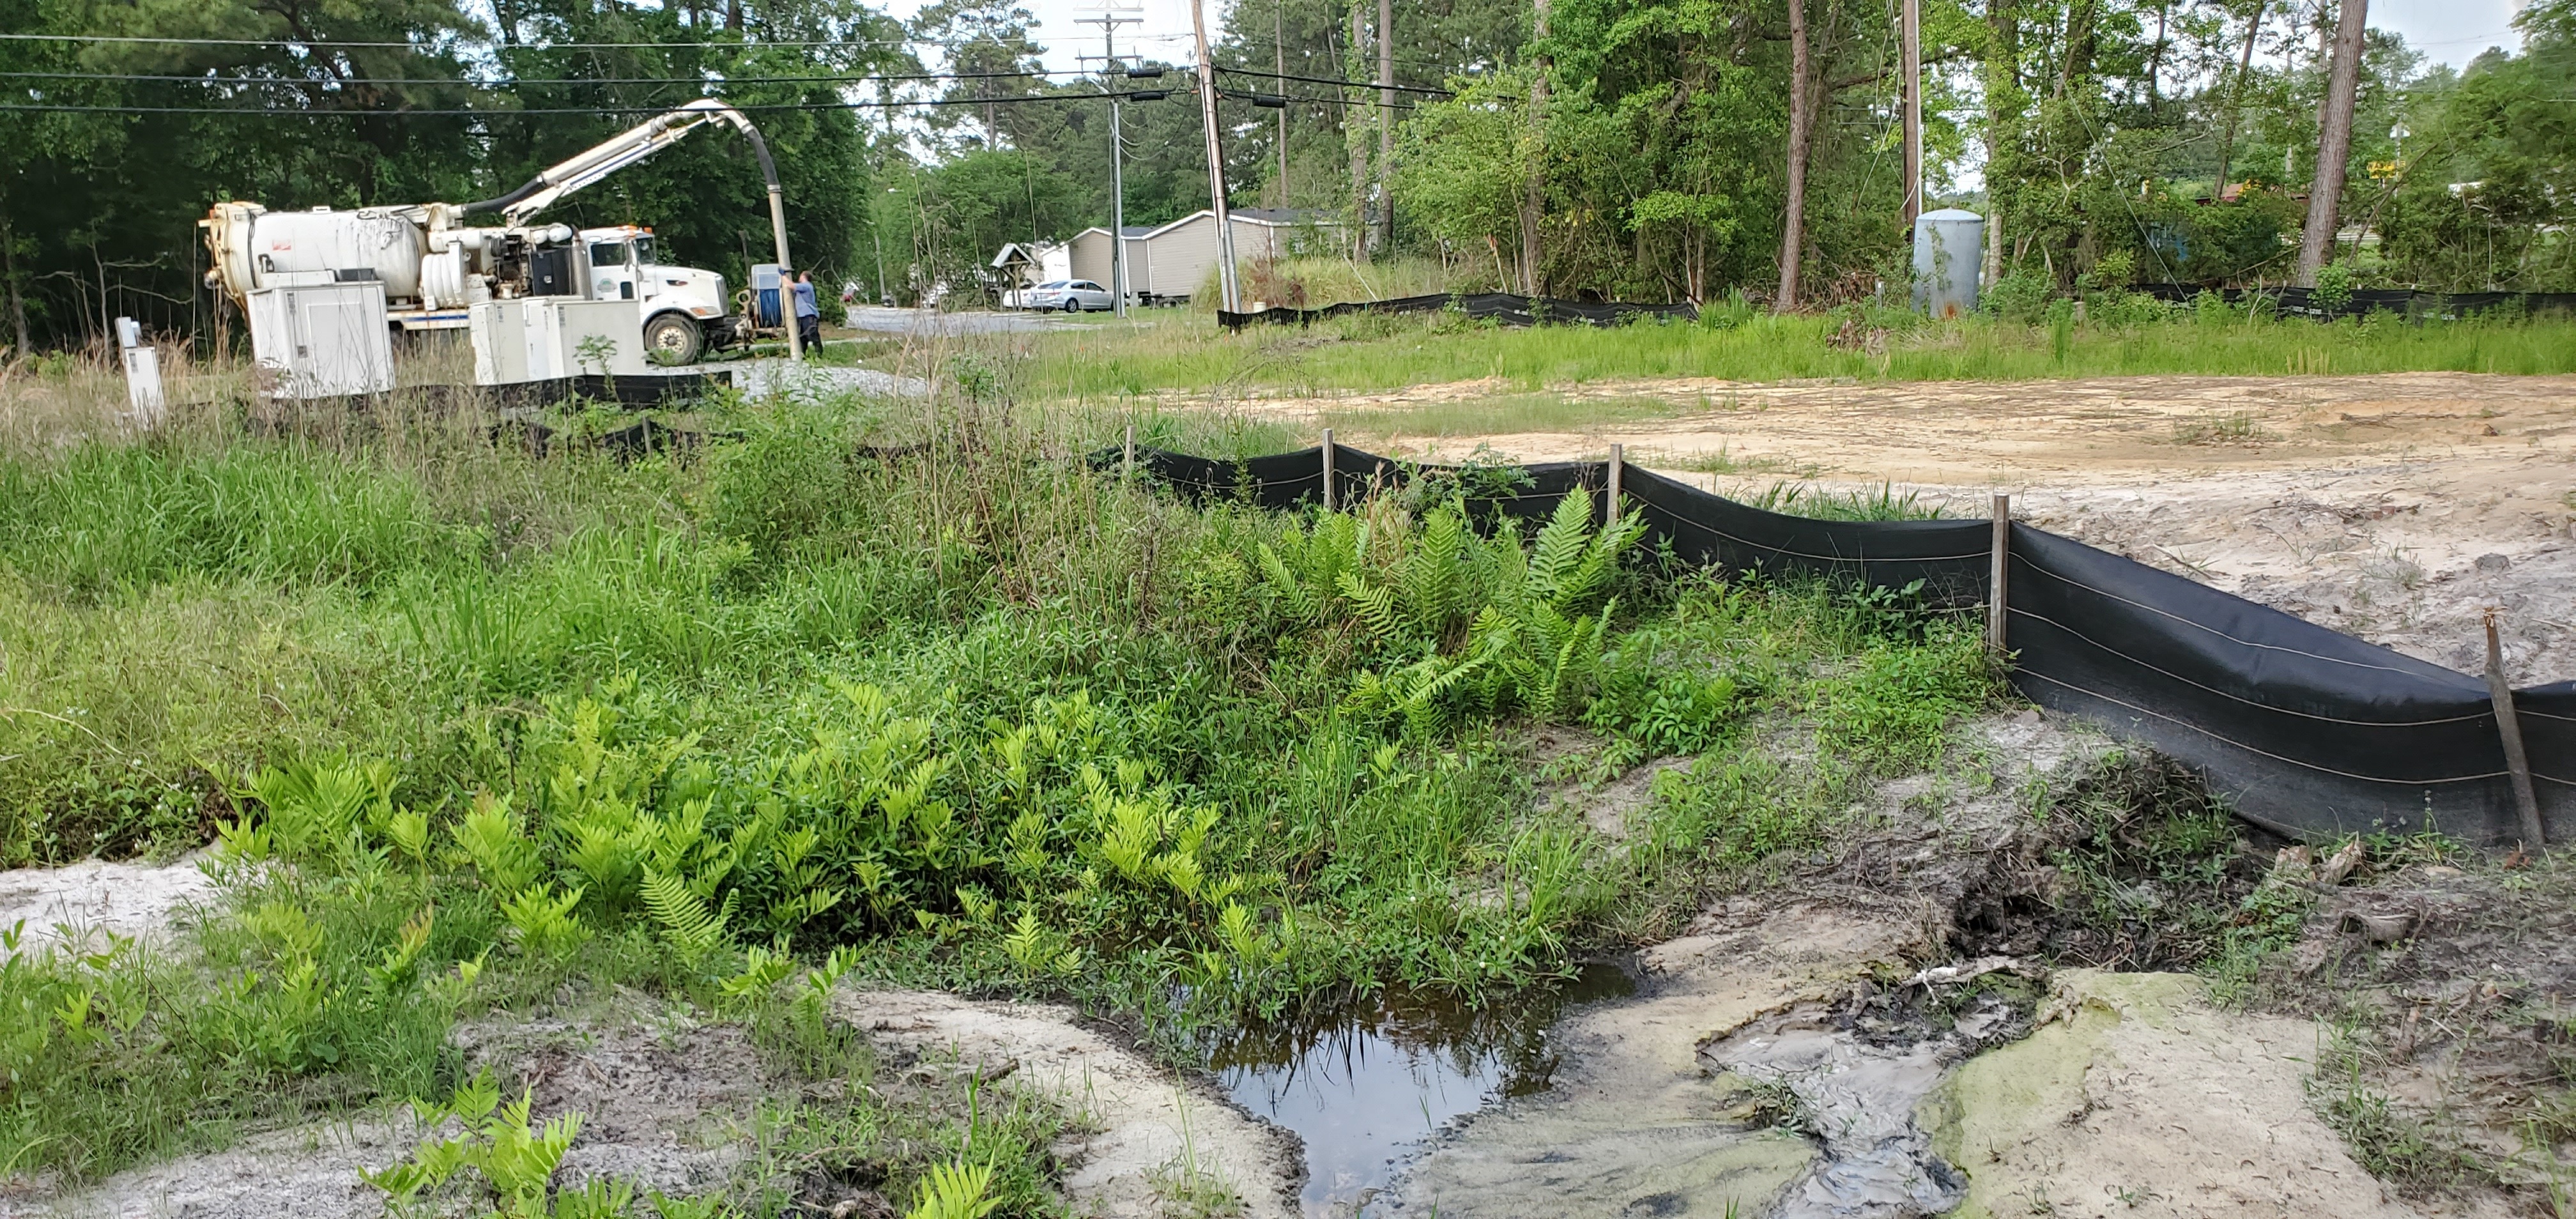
[932, 322]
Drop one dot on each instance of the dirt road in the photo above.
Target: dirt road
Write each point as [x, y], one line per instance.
[2390, 507]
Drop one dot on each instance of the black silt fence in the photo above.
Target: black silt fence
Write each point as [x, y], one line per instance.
[1502, 307]
[1946, 561]
[2308, 730]
[2305, 730]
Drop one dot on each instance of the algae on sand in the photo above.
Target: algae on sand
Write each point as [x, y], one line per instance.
[2135, 1096]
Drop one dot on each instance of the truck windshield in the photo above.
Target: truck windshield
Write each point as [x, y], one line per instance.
[644, 249]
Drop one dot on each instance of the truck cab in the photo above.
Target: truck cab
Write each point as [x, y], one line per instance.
[684, 308]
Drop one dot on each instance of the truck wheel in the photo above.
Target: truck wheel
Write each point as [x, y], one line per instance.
[673, 339]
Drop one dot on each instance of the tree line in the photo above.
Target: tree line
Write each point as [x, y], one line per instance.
[1635, 149]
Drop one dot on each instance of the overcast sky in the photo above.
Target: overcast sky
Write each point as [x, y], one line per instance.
[2447, 31]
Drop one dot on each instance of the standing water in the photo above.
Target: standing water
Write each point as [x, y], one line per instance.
[1365, 1083]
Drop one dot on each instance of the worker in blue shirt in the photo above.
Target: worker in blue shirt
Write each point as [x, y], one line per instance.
[809, 315]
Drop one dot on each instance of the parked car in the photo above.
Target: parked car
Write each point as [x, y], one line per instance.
[1070, 295]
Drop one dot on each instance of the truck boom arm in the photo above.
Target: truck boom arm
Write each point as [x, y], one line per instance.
[633, 145]
[641, 141]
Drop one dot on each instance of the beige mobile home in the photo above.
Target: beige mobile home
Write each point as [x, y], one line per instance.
[1170, 262]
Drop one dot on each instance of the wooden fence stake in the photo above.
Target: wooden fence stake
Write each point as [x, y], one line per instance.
[1995, 578]
[1618, 466]
[1328, 469]
[2509, 727]
[1129, 471]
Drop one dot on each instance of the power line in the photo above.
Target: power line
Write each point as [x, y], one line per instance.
[335, 44]
[282, 112]
[1326, 80]
[1240, 96]
[522, 82]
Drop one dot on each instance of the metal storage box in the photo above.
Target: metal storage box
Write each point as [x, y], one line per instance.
[541, 338]
[322, 340]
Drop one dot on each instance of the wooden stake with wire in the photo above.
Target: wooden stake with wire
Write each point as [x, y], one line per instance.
[2509, 726]
[1328, 469]
[1618, 464]
[1996, 574]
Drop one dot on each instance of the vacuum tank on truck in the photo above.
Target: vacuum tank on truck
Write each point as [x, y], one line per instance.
[435, 265]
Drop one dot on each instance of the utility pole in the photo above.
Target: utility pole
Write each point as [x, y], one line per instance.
[1386, 124]
[1279, 66]
[1910, 39]
[2334, 141]
[1216, 162]
[885, 97]
[1109, 20]
[1352, 68]
[875, 235]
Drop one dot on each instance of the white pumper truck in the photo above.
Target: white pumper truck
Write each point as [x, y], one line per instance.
[435, 267]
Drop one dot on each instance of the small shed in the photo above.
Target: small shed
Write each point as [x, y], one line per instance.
[1019, 267]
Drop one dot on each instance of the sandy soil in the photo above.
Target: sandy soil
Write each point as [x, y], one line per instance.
[301, 1172]
[1639, 1122]
[2390, 507]
[1153, 1139]
[81, 900]
[2129, 1095]
[2135, 1097]
[666, 1102]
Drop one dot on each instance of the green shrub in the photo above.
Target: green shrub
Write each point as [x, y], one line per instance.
[1894, 705]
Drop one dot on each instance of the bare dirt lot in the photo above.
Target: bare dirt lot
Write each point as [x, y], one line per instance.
[2390, 507]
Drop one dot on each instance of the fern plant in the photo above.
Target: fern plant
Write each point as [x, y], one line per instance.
[1488, 626]
[1302, 576]
[314, 806]
[763, 969]
[544, 924]
[688, 924]
[515, 1156]
[493, 840]
[955, 1190]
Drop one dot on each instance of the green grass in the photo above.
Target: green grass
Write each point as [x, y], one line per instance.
[1185, 354]
[1881, 503]
[981, 716]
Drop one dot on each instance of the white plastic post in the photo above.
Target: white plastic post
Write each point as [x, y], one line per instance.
[142, 373]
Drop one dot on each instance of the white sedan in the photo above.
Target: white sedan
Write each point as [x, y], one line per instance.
[1070, 295]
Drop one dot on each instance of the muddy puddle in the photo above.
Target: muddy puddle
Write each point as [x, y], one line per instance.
[1852, 1077]
[1364, 1084]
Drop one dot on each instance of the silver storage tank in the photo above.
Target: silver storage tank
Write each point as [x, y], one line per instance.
[1949, 249]
[299, 249]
